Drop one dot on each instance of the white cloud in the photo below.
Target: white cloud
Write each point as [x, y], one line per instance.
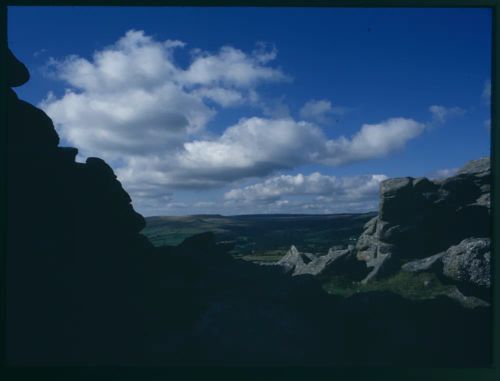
[441, 114]
[320, 111]
[372, 141]
[257, 147]
[129, 121]
[231, 67]
[132, 96]
[252, 147]
[353, 188]
[329, 193]
[221, 96]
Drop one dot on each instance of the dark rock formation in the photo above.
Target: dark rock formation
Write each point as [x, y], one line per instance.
[74, 260]
[418, 217]
[17, 72]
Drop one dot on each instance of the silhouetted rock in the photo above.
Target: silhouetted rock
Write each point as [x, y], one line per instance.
[17, 72]
[33, 134]
[74, 248]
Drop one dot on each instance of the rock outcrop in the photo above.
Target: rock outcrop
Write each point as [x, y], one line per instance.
[419, 217]
[337, 261]
[469, 262]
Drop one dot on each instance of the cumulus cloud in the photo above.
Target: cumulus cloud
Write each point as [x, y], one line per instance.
[129, 121]
[327, 192]
[231, 67]
[320, 111]
[252, 147]
[257, 147]
[349, 188]
[372, 141]
[261, 145]
[132, 97]
[441, 114]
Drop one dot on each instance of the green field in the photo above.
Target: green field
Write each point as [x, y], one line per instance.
[262, 237]
[410, 286]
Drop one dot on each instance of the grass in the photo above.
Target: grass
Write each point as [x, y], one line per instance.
[408, 285]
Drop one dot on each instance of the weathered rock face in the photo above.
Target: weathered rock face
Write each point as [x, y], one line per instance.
[418, 217]
[294, 261]
[468, 263]
[336, 261]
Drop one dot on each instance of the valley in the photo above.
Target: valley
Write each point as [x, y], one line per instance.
[261, 237]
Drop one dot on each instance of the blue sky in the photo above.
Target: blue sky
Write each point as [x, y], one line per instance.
[248, 110]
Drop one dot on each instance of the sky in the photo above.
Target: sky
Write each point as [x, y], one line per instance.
[261, 110]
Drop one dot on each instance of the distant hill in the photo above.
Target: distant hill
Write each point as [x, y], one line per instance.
[261, 236]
